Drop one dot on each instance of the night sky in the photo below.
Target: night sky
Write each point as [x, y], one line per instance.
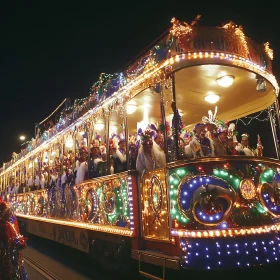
[53, 51]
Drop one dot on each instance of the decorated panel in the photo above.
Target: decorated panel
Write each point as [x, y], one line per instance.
[234, 194]
[155, 218]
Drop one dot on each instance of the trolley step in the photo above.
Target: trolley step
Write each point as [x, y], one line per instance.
[155, 258]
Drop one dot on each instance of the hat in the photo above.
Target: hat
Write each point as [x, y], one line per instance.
[146, 138]
[221, 127]
[211, 119]
[199, 127]
[121, 141]
[153, 130]
[245, 135]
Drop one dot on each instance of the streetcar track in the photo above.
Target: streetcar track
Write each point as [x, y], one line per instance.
[40, 268]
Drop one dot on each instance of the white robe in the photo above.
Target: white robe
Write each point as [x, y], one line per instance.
[144, 162]
[42, 182]
[82, 168]
[188, 151]
[247, 151]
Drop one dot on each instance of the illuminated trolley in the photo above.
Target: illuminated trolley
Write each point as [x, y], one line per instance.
[204, 213]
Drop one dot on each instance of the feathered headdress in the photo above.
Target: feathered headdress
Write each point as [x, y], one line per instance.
[146, 137]
[221, 127]
[198, 127]
[211, 117]
[153, 130]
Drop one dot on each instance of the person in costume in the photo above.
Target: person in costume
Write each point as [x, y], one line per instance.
[82, 165]
[30, 183]
[148, 157]
[232, 139]
[157, 139]
[133, 147]
[42, 181]
[187, 137]
[119, 158]
[221, 147]
[95, 159]
[201, 146]
[37, 181]
[259, 149]
[112, 151]
[243, 147]
[11, 245]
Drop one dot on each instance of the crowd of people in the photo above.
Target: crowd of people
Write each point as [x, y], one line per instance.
[219, 139]
[210, 137]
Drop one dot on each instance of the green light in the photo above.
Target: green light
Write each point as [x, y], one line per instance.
[260, 208]
[267, 176]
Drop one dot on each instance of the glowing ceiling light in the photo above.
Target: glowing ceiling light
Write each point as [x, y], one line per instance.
[99, 126]
[225, 81]
[131, 108]
[212, 98]
[69, 142]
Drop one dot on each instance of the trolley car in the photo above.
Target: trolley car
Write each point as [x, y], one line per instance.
[206, 213]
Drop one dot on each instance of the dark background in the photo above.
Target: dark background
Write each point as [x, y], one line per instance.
[53, 50]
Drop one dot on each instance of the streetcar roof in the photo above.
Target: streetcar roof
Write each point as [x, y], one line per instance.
[194, 82]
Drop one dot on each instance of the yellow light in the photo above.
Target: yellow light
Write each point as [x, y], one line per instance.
[212, 98]
[131, 108]
[99, 126]
[225, 81]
